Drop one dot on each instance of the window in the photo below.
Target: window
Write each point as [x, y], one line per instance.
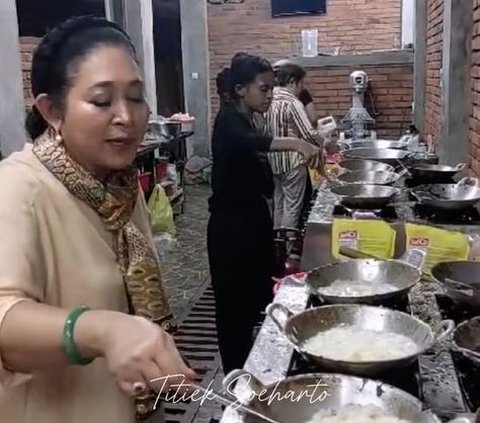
[36, 17]
[298, 7]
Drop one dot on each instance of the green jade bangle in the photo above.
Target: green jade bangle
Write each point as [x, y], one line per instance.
[68, 340]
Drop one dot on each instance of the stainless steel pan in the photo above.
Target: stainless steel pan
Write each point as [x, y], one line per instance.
[297, 399]
[461, 280]
[300, 327]
[458, 196]
[435, 171]
[368, 271]
[358, 164]
[376, 144]
[369, 177]
[364, 196]
[388, 155]
[466, 339]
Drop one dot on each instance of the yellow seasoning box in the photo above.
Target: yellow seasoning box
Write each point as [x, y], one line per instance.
[439, 244]
[375, 237]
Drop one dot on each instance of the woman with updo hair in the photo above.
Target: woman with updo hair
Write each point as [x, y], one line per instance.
[240, 229]
[84, 321]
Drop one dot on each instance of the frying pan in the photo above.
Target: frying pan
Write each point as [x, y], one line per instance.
[449, 196]
[457, 277]
[364, 196]
[358, 164]
[361, 177]
[387, 155]
[436, 172]
[378, 144]
[294, 399]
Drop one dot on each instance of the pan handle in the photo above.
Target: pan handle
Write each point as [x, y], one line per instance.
[355, 254]
[472, 355]
[442, 331]
[344, 145]
[404, 169]
[252, 384]
[286, 314]
[464, 288]
[469, 181]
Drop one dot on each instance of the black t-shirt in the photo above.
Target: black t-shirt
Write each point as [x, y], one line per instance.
[241, 173]
[305, 98]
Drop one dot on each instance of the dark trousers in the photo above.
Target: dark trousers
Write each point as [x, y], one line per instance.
[240, 249]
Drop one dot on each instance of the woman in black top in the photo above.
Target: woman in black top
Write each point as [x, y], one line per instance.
[240, 230]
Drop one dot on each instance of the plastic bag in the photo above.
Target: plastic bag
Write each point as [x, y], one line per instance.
[161, 213]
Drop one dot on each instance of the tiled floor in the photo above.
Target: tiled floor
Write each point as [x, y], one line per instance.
[185, 267]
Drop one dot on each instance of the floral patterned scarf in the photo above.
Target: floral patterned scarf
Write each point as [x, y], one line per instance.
[115, 201]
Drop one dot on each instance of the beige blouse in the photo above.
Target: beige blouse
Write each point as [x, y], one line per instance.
[54, 249]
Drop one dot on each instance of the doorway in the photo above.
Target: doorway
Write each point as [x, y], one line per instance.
[167, 36]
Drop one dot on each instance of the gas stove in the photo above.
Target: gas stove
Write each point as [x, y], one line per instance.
[401, 210]
[443, 380]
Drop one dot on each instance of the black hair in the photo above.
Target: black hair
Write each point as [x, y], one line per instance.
[61, 49]
[245, 68]
[239, 55]
[289, 72]
[223, 82]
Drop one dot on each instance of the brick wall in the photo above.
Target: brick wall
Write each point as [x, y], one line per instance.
[27, 47]
[391, 88]
[474, 137]
[433, 101]
[355, 25]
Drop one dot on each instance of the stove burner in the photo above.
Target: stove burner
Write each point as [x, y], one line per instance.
[468, 216]
[388, 213]
[468, 374]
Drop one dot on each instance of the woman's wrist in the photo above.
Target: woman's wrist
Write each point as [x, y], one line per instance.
[90, 333]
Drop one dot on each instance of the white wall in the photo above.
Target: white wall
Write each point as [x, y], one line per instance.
[408, 21]
[12, 104]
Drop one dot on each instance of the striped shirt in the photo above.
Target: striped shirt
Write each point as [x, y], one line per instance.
[287, 117]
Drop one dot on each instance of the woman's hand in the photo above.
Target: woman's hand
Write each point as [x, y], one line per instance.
[139, 354]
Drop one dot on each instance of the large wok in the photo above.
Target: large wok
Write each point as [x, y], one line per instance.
[435, 172]
[388, 155]
[371, 177]
[461, 280]
[373, 272]
[300, 327]
[466, 339]
[297, 399]
[377, 144]
[364, 196]
[358, 164]
[448, 196]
